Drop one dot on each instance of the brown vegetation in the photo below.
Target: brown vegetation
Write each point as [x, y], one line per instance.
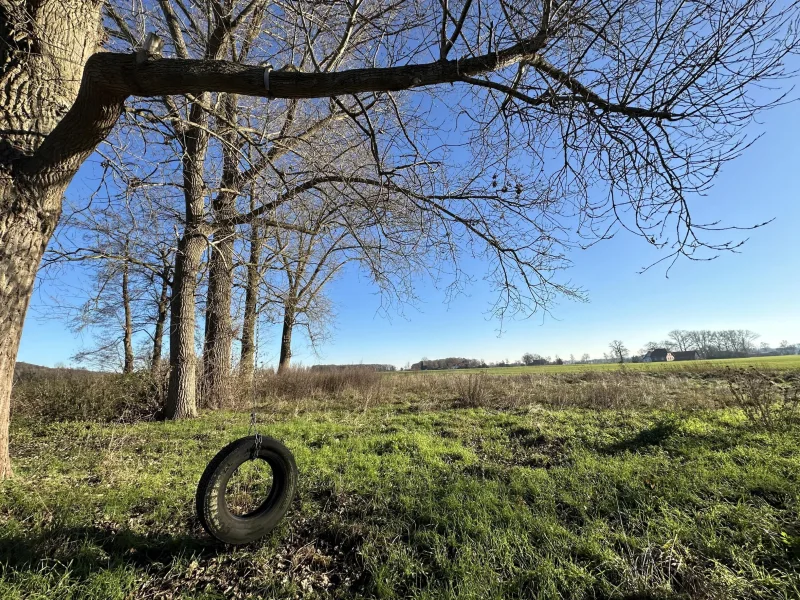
[766, 398]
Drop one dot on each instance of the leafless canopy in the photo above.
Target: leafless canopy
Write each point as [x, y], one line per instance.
[565, 121]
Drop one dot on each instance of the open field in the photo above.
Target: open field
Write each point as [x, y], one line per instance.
[761, 362]
[421, 487]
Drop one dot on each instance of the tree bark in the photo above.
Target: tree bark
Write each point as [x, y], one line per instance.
[219, 331]
[182, 392]
[286, 336]
[43, 48]
[161, 319]
[181, 396]
[23, 238]
[219, 327]
[247, 363]
[127, 338]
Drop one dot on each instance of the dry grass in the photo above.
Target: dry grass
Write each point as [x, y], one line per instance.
[766, 403]
[100, 397]
[602, 390]
[138, 397]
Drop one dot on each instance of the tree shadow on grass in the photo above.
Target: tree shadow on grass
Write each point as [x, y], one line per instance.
[647, 438]
[89, 549]
[663, 431]
[307, 551]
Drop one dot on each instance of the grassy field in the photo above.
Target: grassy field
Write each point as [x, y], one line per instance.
[760, 362]
[403, 497]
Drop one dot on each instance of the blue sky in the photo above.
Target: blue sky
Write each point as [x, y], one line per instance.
[757, 289]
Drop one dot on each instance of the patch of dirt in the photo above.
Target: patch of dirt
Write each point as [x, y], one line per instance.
[570, 515]
[320, 561]
[446, 433]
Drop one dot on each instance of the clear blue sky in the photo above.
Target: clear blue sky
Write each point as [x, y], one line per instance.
[758, 289]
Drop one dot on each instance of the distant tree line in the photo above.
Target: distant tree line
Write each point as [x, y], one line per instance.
[27, 372]
[528, 359]
[447, 363]
[727, 343]
[373, 367]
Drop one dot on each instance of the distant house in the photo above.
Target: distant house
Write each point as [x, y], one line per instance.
[664, 355]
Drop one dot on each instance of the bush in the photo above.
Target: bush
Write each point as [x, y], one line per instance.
[766, 403]
[472, 390]
[300, 383]
[91, 396]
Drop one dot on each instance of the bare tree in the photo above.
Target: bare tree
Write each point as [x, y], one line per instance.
[120, 244]
[585, 358]
[647, 99]
[680, 340]
[704, 341]
[528, 359]
[254, 272]
[664, 344]
[306, 266]
[618, 350]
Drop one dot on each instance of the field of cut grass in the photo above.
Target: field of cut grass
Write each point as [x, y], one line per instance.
[759, 362]
[400, 501]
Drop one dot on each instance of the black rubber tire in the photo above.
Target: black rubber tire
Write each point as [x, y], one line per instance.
[212, 508]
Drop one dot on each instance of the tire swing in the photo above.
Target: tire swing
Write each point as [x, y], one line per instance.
[227, 513]
[247, 487]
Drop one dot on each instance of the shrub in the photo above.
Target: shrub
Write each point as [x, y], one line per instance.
[472, 390]
[766, 403]
[301, 383]
[104, 397]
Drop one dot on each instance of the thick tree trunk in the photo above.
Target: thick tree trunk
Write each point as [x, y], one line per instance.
[247, 363]
[23, 238]
[43, 48]
[161, 319]
[182, 393]
[127, 337]
[181, 397]
[286, 337]
[219, 328]
[219, 332]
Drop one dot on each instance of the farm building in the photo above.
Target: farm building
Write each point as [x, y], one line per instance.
[664, 355]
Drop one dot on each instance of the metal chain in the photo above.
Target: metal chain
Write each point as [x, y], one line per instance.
[253, 428]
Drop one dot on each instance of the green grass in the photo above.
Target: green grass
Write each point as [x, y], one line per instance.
[397, 502]
[760, 362]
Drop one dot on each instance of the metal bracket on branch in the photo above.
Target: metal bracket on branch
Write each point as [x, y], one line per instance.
[150, 49]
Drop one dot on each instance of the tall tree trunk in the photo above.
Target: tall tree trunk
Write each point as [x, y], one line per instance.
[286, 336]
[127, 337]
[181, 396]
[161, 319]
[248, 358]
[219, 331]
[182, 392]
[43, 48]
[219, 328]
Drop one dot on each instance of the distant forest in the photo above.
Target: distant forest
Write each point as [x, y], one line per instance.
[728, 343]
[371, 367]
